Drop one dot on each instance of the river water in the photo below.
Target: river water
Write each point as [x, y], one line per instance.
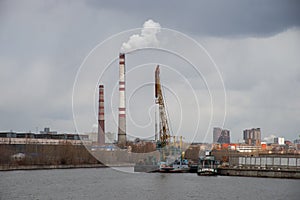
[107, 184]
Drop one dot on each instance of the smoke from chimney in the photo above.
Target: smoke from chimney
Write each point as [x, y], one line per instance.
[147, 37]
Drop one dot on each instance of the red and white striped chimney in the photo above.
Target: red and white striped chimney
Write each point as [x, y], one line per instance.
[122, 106]
[101, 121]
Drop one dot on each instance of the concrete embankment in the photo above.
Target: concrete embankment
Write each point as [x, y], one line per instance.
[41, 167]
[269, 173]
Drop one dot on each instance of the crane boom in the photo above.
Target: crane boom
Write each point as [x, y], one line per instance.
[164, 132]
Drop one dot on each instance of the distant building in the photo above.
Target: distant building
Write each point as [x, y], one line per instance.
[216, 134]
[42, 135]
[47, 131]
[279, 140]
[297, 144]
[221, 136]
[297, 141]
[8, 134]
[109, 137]
[245, 148]
[252, 136]
[93, 136]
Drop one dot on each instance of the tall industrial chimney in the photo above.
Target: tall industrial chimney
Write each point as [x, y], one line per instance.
[122, 107]
[101, 125]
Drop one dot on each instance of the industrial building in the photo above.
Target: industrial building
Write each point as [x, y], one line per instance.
[221, 136]
[44, 137]
[47, 131]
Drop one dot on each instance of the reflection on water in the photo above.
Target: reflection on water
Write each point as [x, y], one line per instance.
[124, 169]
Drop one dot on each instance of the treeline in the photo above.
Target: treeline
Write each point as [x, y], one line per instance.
[31, 154]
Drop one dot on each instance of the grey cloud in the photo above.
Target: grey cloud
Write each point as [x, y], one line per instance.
[43, 44]
[217, 18]
[260, 77]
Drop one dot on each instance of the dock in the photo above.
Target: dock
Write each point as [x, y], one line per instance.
[271, 166]
[266, 173]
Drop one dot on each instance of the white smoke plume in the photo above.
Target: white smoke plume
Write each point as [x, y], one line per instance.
[147, 38]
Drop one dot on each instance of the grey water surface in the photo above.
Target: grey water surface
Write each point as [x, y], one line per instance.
[107, 183]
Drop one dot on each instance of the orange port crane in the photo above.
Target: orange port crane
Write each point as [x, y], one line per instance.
[164, 132]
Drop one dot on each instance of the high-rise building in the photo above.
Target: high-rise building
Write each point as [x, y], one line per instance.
[252, 136]
[221, 136]
[279, 140]
[216, 134]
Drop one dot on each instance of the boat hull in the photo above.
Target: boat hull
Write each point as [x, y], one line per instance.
[207, 172]
[207, 166]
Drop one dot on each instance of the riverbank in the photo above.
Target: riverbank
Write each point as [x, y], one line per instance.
[45, 167]
[42, 167]
[266, 173]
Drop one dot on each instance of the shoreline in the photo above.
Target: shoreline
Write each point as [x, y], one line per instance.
[285, 174]
[4, 168]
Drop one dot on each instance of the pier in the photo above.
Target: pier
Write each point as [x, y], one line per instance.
[272, 166]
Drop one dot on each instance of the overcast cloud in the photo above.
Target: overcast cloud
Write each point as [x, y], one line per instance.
[254, 43]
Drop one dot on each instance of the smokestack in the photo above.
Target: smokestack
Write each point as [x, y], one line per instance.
[101, 125]
[122, 107]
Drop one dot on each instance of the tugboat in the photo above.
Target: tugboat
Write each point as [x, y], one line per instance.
[207, 166]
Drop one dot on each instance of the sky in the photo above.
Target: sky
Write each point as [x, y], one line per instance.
[248, 66]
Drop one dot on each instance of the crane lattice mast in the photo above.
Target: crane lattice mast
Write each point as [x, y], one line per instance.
[164, 132]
